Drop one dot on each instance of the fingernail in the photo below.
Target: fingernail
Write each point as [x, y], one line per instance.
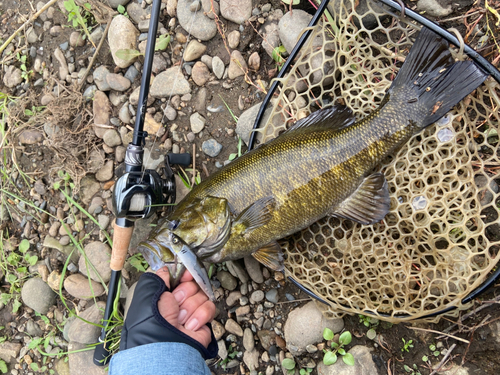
[182, 316]
[192, 324]
[179, 296]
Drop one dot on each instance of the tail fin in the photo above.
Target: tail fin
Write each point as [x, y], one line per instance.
[432, 80]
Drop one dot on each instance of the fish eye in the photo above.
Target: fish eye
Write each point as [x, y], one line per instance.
[175, 240]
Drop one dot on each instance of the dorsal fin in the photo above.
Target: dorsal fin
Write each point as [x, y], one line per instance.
[336, 117]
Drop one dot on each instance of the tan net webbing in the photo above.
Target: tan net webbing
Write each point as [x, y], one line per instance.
[440, 239]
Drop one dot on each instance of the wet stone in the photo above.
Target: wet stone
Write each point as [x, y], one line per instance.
[211, 148]
[272, 296]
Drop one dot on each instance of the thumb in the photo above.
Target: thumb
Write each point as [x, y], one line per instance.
[165, 275]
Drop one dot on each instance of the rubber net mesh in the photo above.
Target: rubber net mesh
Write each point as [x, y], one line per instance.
[441, 238]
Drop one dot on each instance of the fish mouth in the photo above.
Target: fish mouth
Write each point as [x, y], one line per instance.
[183, 258]
[151, 251]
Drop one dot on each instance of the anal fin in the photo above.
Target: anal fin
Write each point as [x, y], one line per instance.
[369, 203]
[270, 256]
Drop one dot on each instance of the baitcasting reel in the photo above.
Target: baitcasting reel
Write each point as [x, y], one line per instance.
[137, 194]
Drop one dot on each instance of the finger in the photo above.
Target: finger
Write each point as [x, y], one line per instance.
[190, 305]
[201, 316]
[185, 290]
[165, 275]
[169, 308]
[202, 335]
[186, 276]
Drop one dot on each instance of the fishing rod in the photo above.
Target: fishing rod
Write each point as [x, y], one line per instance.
[137, 194]
[475, 56]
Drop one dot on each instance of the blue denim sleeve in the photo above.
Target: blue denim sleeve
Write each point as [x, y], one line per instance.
[162, 358]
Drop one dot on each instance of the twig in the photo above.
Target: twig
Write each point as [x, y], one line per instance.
[84, 78]
[295, 300]
[443, 361]
[34, 17]
[440, 333]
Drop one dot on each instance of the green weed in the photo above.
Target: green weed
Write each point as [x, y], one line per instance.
[330, 357]
[277, 56]
[80, 17]
[25, 73]
[407, 345]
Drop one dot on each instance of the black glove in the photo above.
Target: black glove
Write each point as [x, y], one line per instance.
[145, 325]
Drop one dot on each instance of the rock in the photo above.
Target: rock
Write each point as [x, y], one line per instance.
[237, 65]
[138, 13]
[106, 172]
[170, 113]
[218, 329]
[115, 3]
[197, 122]
[170, 82]
[88, 188]
[207, 8]
[78, 286]
[85, 333]
[272, 295]
[118, 82]
[194, 50]
[218, 67]
[89, 92]
[455, 370]
[227, 280]
[222, 349]
[363, 364]
[131, 73]
[233, 39]
[253, 269]
[112, 138]
[81, 361]
[233, 327]
[207, 60]
[199, 25]
[232, 298]
[254, 61]
[434, 7]
[100, 80]
[171, 7]
[102, 111]
[237, 11]
[269, 32]
[33, 329]
[122, 35]
[257, 296]
[211, 148]
[181, 189]
[200, 73]
[246, 120]
[96, 35]
[62, 367]
[36, 294]
[305, 326]
[266, 338]
[30, 137]
[124, 114]
[291, 27]
[12, 77]
[99, 255]
[9, 350]
[63, 66]
[251, 359]
[248, 342]
[46, 99]
[237, 270]
[76, 39]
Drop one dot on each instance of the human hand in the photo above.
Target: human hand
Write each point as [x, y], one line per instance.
[187, 307]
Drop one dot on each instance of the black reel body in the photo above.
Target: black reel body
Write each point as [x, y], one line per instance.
[138, 194]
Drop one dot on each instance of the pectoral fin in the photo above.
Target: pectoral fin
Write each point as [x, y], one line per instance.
[270, 256]
[254, 216]
[369, 203]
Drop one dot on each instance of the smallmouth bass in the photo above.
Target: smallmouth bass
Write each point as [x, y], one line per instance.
[321, 166]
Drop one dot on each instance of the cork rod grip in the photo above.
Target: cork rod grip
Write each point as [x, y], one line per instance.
[121, 242]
